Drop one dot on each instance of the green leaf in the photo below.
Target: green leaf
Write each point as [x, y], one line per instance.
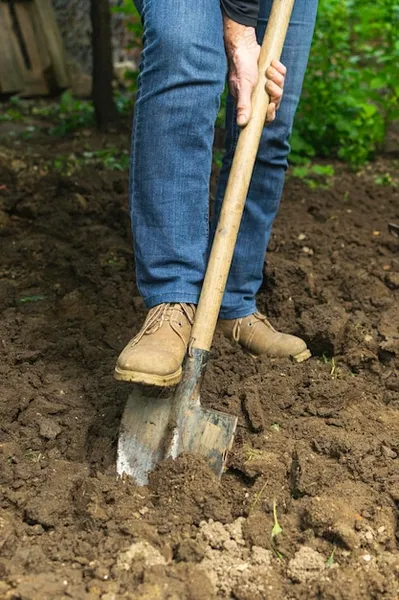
[300, 172]
[26, 299]
[330, 560]
[326, 170]
[277, 530]
[377, 83]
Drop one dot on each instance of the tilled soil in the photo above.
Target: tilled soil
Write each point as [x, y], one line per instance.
[317, 446]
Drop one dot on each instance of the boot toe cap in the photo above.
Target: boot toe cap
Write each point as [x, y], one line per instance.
[151, 362]
[293, 346]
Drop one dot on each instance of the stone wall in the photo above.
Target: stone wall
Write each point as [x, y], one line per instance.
[73, 17]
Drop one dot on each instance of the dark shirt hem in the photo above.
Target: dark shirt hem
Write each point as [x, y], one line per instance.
[241, 11]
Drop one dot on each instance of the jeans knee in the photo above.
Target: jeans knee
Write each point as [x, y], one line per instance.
[172, 44]
[193, 49]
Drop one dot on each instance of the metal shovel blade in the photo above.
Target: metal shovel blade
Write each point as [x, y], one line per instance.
[142, 432]
[159, 424]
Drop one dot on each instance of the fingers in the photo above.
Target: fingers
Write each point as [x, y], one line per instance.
[271, 113]
[274, 87]
[275, 92]
[276, 64]
[275, 75]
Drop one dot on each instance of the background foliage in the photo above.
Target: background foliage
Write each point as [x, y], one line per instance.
[351, 90]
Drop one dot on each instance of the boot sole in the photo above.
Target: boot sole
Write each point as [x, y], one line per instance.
[149, 378]
[298, 358]
[302, 356]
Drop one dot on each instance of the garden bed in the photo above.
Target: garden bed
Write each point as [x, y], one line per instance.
[317, 445]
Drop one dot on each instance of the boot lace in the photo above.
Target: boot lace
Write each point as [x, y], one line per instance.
[163, 313]
[257, 317]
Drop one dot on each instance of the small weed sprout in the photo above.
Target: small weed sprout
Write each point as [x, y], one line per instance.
[330, 560]
[258, 496]
[277, 530]
[332, 362]
[251, 453]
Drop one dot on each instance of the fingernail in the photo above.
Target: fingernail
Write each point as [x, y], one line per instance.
[241, 120]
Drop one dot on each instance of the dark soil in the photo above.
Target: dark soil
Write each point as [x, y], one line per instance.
[318, 442]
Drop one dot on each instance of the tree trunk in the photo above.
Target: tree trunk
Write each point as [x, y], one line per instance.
[103, 99]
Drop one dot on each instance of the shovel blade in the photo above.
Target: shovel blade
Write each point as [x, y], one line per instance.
[148, 435]
[159, 423]
[142, 432]
[209, 433]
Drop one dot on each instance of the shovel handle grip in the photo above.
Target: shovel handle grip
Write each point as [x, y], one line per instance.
[237, 188]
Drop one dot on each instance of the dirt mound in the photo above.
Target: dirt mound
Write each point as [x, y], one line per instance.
[317, 444]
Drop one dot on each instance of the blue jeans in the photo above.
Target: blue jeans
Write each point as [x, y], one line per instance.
[182, 76]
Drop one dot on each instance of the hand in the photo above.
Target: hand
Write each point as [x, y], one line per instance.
[274, 86]
[243, 51]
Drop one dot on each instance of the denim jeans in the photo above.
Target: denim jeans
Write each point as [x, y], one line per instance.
[182, 75]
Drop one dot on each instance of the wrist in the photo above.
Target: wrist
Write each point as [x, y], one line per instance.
[236, 34]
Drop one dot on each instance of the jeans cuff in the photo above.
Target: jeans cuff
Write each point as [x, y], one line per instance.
[237, 313]
[152, 301]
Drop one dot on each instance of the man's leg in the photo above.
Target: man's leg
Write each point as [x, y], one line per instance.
[268, 178]
[181, 78]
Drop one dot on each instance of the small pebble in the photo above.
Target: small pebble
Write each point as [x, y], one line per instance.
[35, 530]
[366, 557]
[381, 529]
[388, 453]
[49, 429]
[101, 573]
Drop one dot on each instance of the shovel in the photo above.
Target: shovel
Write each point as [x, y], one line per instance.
[158, 423]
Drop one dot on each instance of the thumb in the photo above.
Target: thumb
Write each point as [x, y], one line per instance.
[244, 93]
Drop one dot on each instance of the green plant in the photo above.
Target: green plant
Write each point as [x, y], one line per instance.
[275, 427]
[314, 175]
[217, 156]
[133, 21]
[14, 113]
[109, 158]
[351, 89]
[221, 118]
[330, 560]
[385, 179]
[333, 365]
[70, 113]
[251, 453]
[276, 531]
[257, 497]
[35, 298]
[135, 28]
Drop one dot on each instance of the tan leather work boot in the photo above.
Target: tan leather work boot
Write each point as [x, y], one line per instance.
[257, 336]
[155, 355]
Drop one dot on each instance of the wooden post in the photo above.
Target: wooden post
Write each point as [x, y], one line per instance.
[103, 99]
[52, 37]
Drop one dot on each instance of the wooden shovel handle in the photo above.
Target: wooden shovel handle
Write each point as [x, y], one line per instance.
[237, 188]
